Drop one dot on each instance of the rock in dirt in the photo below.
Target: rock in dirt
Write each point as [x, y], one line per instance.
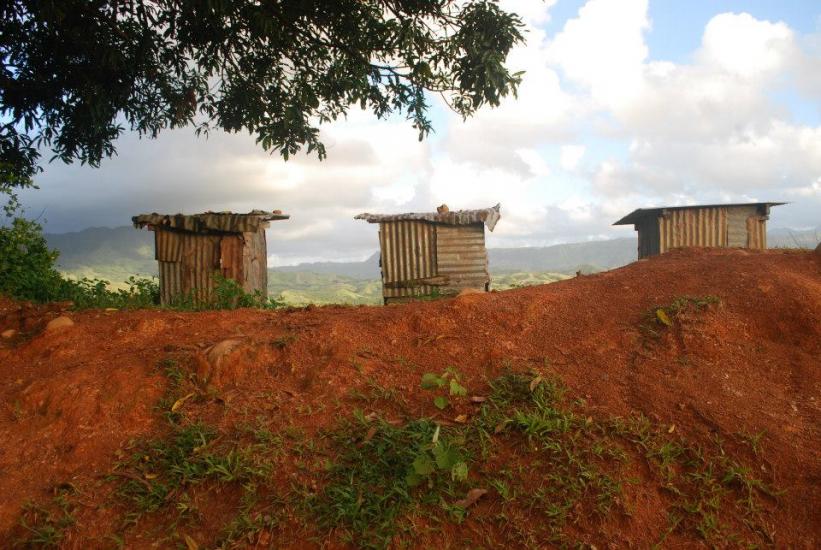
[10, 333]
[59, 323]
[469, 291]
[210, 362]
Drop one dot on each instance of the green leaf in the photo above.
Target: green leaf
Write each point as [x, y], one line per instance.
[457, 389]
[459, 472]
[441, 402]
[431, 381]
[413, 479]
[446, 456]
[423, 465]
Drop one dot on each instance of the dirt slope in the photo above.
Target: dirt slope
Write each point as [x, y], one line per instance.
[75, 401]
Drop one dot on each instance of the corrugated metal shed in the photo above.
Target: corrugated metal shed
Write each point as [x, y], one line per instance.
[192, 249]
[439, 252]
[710, 225]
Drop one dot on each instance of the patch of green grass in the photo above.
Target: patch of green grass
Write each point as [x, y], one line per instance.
[567, 454]
[250, 520]
[159, 472]
[45, 528]
[384, 471]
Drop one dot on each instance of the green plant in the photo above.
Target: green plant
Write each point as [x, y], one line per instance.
[28, 272]
[666, 315]
[160, 471]
[226, 294]
[448, 379]
[376, 479]
[45, 528]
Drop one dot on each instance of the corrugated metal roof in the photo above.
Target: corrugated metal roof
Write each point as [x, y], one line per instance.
[639, 213]
[225, 222]
[488, 216]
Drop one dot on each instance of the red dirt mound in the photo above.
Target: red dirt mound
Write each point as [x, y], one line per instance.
[737, 360]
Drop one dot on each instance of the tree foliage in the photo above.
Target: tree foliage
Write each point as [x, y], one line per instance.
[78, 73]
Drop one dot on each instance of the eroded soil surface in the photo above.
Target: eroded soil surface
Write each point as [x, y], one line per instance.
[588, 417]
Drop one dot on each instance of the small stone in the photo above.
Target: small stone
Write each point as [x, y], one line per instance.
[10, 333]
[59, 323]
[469, 291]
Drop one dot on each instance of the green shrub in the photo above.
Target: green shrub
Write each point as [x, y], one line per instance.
[27, 264]
[28, 272]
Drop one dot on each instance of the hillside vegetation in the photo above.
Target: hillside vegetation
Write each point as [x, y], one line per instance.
[670, 402]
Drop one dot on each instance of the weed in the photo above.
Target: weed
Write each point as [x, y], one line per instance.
[666, 316]
[46, 528]
[754, 441]
[159, 472]
[375, 480]
[447, 380]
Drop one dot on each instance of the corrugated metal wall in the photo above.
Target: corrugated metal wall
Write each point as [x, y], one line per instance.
[692, 227]
[408, 253]
[757, 232]
[189, 261]
[255, 263]
[461, 256]
[737, 225]
[231, 264]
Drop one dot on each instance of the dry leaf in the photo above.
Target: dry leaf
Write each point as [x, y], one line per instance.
[661, 315]
[535, 382]
[471, 498]
[190, 543]
[477, 399]
[370, 434]
[179, 402]
[671, 429]
[461, 419]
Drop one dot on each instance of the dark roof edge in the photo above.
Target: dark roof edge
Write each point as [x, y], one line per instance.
[639, 213]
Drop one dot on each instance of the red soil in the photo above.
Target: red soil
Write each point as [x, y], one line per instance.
[74, 398]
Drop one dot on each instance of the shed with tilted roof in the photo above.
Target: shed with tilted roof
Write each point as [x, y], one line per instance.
[740, 225]
[433, 253]
[193, 250]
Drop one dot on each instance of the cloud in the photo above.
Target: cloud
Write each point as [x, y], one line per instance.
[570, 156]
[601, 127]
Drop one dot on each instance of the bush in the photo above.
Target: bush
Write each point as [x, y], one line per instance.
[228, 294]
[26, 264]
[28, 272]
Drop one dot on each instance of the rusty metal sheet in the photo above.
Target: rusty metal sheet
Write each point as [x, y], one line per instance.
[461, 256]
[488, 216]
[640, 213]
[408, 251]
[692, 227]
[231, 257]
[757, 232]
[222, 222]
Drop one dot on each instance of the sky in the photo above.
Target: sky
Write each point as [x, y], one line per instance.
[625, 104]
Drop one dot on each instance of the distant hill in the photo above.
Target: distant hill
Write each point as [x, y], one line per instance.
[108, 253]
[367, 269]
[564, 258]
